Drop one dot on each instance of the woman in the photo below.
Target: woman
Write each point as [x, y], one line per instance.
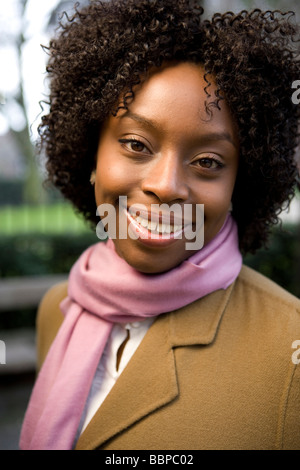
[158, 342]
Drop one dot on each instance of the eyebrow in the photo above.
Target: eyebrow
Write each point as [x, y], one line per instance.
[142, 120]
[219, 136]
[208, 137]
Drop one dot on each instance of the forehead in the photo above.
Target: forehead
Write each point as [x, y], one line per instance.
[177, 84]
[174, 99]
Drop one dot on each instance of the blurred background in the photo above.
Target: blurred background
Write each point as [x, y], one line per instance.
[40, 235]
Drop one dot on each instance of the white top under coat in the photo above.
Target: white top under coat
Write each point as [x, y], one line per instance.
[107, 373]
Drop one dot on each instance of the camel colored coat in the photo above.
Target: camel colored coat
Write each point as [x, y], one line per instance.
[217, 374]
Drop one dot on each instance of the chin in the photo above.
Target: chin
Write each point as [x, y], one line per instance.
[146, 268]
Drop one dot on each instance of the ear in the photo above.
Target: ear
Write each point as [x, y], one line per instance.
[93, 177]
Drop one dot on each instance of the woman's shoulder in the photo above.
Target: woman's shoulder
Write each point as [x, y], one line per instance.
[254, 286]
[49, 319]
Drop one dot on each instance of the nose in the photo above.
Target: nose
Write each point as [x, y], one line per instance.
[166, 179]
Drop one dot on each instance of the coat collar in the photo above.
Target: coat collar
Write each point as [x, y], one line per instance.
[198, 322]
[149, 380]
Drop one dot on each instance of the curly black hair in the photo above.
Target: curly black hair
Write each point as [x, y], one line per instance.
[105, 49]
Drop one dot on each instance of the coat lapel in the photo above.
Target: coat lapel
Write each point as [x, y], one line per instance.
[147, 383]
[149, 380]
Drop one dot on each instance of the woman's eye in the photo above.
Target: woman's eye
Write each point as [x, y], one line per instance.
[134, 145]
[209, 163]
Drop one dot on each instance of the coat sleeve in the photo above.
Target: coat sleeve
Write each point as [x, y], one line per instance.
[49, 320]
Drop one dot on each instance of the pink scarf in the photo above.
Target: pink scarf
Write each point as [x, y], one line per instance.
[104, 289]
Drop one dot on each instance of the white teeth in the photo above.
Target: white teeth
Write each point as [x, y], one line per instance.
[139, 219]
[156, 227]
[143, 222]
[152, 225]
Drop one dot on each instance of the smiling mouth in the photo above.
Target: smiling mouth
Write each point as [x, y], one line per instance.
[155, 228]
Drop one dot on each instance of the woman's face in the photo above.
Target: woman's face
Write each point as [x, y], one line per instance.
[165, 149]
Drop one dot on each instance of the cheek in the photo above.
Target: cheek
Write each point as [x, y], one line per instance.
[113, 178]
[216, 206]
[216, 199]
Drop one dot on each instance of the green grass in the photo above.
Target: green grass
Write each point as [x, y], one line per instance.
[55, 218]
